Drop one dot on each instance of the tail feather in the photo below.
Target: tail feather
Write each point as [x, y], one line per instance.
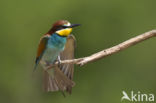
[55, 80]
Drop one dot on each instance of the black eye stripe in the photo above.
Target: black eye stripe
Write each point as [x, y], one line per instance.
[61, 27]
[64, 27]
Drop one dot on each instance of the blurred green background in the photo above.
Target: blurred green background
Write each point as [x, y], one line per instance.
[105, 23]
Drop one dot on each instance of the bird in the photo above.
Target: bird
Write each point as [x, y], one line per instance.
[56, 45]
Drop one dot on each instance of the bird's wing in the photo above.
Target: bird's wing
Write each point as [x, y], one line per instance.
[68, 53]
[41, 49]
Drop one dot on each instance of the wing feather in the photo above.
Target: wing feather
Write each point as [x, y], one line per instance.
[41, 49]
[68, 53]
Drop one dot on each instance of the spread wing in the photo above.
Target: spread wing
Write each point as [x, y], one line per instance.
[41, 49]
[68, 53]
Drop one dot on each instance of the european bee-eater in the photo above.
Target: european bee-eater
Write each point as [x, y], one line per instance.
[57, 44]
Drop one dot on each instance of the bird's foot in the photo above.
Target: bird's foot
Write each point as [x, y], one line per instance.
[59, 61]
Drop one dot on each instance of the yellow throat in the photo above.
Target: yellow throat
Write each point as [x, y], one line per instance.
[64, 32]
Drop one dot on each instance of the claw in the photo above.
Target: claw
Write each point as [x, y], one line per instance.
[59, 61]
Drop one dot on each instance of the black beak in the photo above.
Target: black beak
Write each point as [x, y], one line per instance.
[74, 25]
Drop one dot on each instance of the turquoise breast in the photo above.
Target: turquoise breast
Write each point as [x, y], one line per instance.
[55, 45]
[56, 42]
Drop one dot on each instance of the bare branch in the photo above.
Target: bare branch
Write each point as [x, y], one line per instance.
[112, 50]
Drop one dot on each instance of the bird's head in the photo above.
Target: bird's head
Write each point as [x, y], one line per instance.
[63, 27]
